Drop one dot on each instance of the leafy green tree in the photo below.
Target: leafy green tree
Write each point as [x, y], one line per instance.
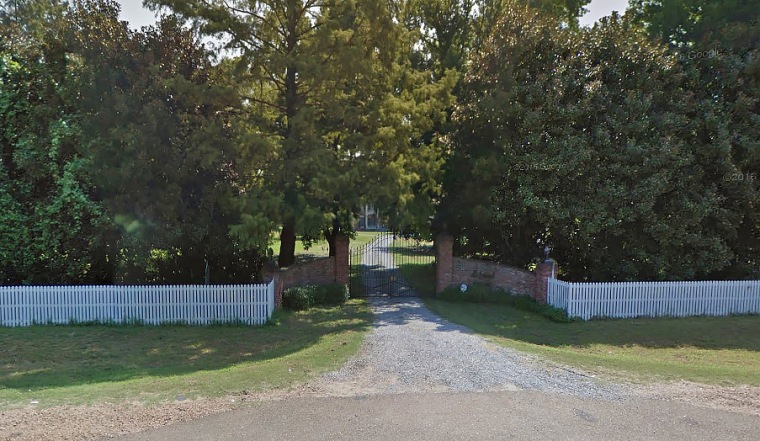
[119, 155]
[718, 45]
[160, 130]
[589, 141]
[24, 22]
[686, 23]
[453, 31]
[335, 102]
[445, 29]
[52, 229]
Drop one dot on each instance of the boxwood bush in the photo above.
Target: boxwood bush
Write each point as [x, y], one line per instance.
[304, 297]
[298, 298]
[330, 295]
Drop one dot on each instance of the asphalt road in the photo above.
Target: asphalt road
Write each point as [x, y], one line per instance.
[464, 416]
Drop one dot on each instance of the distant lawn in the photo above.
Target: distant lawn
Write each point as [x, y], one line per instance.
[322, 248]
[415, 262]
[421, 277]
[87, 364]
[717, 350]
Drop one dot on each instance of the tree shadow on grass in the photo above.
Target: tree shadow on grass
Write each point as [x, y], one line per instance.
[59, 356]
[738, 332]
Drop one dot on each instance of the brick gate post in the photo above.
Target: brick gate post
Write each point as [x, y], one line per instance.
[544, 271]
[341, 259]
[270, 272]
[444, 261]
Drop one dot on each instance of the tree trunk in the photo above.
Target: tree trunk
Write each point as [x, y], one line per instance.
[287, 245]
[330, 236]
[288, 235]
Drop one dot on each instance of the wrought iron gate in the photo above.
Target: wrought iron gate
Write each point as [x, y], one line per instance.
[392, 265]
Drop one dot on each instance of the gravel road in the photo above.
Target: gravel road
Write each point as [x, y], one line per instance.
[411, 350]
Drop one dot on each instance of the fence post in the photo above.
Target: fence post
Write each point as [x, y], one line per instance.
[444, 261]
[341, 259]
[544, 271]
[272, 298]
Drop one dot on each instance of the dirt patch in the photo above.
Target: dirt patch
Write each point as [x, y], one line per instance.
[105, 420]
[66, 423]
[741, 399]
[69, 423]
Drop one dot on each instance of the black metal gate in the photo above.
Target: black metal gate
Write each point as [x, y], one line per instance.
[392, 265]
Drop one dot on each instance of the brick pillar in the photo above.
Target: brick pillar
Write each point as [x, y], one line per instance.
[444, 261]
[275, 276]
[341, 259]
[268, 273]
[544, 271]
[278, 290]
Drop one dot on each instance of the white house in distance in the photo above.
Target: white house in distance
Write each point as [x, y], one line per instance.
[369, 219]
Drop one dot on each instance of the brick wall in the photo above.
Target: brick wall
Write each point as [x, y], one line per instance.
[454, 271]
[496, 276]
[324, 271]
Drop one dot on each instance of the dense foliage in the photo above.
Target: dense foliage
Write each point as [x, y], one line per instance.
[118, 154]
[603, 145]
[338, 111]
[304, 297]
[632, 148]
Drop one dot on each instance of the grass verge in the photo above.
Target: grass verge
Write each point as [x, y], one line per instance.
[711, 350]
[87, 364]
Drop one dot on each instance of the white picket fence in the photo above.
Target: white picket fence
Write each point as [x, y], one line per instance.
[153, 305]
[654, 299]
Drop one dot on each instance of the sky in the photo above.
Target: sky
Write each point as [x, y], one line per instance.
[133, 12]
[602, 8]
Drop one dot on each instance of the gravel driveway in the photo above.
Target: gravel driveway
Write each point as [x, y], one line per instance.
[411, 349]
[413, 352]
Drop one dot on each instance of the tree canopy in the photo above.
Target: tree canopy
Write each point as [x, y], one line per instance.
[631, 148]
[336, 106]
[118, 154]
[596, 143]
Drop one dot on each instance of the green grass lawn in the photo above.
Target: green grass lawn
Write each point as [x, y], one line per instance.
[415, 263]
[87, 364]
[363, 238]
[715, 350]
[321, 248]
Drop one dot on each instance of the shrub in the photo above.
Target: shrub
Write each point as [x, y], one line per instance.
[331, 295]
[298, 298]
[304, 297]
[480, 293]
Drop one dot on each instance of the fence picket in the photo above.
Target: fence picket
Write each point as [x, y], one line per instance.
[654, 299]
[192, 304]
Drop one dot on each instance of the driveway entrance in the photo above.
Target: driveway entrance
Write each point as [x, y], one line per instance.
[388, 266]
